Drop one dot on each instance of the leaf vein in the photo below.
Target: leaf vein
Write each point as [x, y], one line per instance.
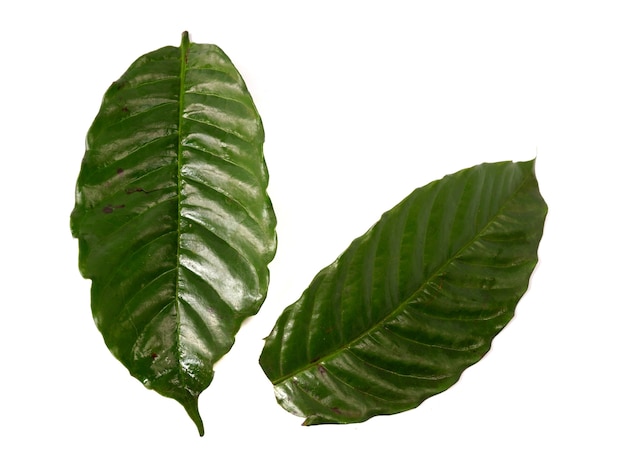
[428, 280]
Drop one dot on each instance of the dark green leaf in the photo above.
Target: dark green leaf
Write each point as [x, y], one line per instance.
[413, 302]
[174, 224]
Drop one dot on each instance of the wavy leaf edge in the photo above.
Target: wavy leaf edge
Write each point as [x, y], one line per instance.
[175, 226]
[306, 382]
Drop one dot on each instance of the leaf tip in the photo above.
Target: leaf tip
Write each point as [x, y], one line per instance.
[191, 406]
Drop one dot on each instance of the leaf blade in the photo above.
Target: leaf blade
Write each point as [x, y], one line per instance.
[174, 223]
[413, 302]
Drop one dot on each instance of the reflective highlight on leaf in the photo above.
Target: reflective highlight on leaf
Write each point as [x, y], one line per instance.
[174, 224]
[413, 302]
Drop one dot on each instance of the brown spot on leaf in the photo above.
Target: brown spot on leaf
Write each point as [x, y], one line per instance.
[154, 355]
[132, 191]
[110, 208]
[120, 171]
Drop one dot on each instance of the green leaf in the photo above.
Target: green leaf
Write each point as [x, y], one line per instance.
[174, 224]
[411, 303]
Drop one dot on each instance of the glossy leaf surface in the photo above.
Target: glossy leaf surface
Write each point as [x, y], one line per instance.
[413, 302]
[174, 224]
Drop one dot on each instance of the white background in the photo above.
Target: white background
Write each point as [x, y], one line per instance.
[361, 102]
